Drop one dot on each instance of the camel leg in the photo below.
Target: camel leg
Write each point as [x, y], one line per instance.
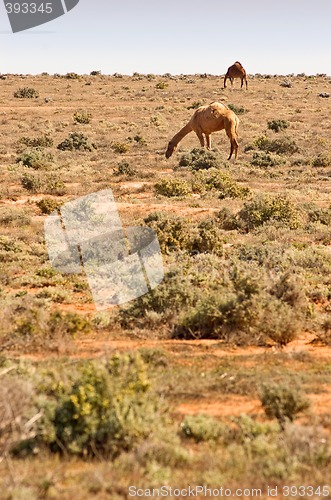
[208, 141]
[231, 133]
[201, 138]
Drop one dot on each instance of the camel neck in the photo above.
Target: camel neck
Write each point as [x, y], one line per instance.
[182, 133]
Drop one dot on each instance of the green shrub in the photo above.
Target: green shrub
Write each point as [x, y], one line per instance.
[283, 145]
[32, 182]
[120, 147]
[215, 179]
[82, 117]
[201, 158]
[72, 76]
[76, 141]
[124, 168]
[266, 160]
[239, 110]
[268, 208]
[48, 205]
[201, 428]
[110, 408]
[195, 105]
[317, 214]
[36, 159]
[282, 402]
[277, 125]
[43, 141]
[26, 93]
[207, 239]
[162, 85]
[172, 232]
[322, 160]
[172, 187]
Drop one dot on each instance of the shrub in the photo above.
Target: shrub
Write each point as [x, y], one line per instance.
[317, 214]
[201, 428]
[172, 232]
[267, 208]
[239, 110]
[48, 205]
[82, 117]
[195, 105]
[266, 160]
[214, 179]
[162, 85]
[43, 141]
[200, 158]
[277, 125]
[76, 141]
[26, 93]
[286, 83]
[208, 238]
[110, 408]
[172, 187]
[72, 76]
[282, 402]
[322, 160]
[36, 159]
[279, 146]
[31, 182]
[124, 168]
[95, 73]
[120, 147]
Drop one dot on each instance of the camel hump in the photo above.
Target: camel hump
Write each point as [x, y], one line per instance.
[237, 62]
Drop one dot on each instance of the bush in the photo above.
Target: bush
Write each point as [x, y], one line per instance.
[120, 147]
[36, 159]
[31, 182]
[76, 141]
[317, 214]
[48, 205]
[82, 117]
[124, 168]
[267, 208]
[277, 125]
[72, 76]
[201, 158]
[322, 160]
[239, 110]
[214, 179]
[26, 93]
[43, 141]
[110, 408]
[195, 105]
[172, 187]
[172, 232]
[201, 428]
[282, 402]
[266, 160]
[162, 85]
[279, 146]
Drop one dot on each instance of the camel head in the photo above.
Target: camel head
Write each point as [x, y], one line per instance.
[171, 148]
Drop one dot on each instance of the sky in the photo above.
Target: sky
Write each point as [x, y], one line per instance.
[174, 36]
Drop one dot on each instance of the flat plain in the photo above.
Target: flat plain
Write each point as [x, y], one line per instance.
[233, 348]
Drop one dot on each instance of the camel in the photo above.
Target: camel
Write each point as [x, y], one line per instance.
[236, 71]
[208, 119]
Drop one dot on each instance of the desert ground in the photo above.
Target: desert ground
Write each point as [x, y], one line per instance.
[221, 376]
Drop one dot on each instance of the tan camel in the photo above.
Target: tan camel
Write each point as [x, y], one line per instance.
[236, 71]
[208, 119]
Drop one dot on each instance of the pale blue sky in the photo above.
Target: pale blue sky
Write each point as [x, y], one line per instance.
[175, 36]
